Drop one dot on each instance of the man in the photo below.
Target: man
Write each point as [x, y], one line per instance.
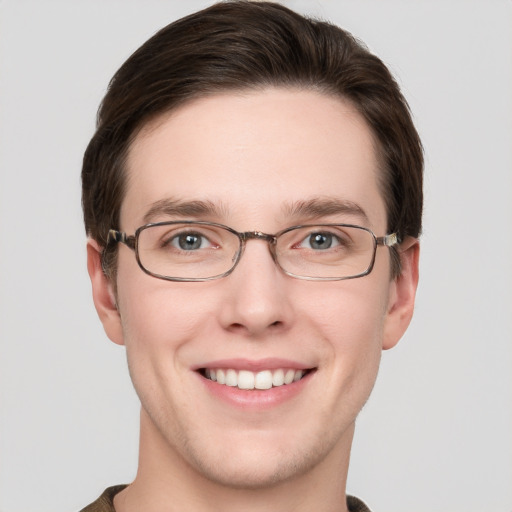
[252, 198]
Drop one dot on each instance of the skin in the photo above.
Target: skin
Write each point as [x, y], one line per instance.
[252, 153]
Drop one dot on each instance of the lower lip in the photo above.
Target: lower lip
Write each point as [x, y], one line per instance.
[256, 399]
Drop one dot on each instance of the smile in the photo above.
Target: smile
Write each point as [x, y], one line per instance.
[247, 380]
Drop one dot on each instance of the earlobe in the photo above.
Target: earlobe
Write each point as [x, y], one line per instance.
[103, 294]
[402, 294]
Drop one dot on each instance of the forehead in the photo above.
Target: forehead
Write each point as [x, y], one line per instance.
[254, 155]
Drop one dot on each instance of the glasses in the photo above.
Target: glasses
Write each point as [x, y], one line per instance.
[203, 251]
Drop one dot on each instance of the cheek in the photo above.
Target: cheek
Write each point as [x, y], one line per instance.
[159, 320]
[350, 319]
[156, 312]
[347, 310]
[161, 317]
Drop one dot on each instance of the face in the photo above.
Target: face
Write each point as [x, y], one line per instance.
[254, 158]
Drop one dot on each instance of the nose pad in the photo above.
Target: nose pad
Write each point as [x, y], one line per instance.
[256, 299]
[258, 235]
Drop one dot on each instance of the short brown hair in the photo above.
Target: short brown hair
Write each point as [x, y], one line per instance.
[239, 45]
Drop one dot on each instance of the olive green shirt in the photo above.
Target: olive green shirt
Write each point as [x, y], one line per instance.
[105, 503]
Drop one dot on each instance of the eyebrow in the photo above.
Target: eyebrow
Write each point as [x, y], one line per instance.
[324, 206]
[180, 208]
[311, 208]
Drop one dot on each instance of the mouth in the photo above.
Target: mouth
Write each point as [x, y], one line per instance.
[248, 380]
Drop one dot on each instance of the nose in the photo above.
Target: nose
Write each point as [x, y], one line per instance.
[256, 302]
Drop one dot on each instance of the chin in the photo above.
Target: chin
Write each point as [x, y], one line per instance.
[256, 464]
[256, 473]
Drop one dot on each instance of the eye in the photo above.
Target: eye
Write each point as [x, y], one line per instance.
[189, 241]
[320, 241]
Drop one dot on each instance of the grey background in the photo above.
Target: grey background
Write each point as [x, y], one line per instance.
[437, 433]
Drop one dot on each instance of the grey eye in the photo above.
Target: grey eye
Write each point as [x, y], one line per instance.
[320, 241]
[189, 241]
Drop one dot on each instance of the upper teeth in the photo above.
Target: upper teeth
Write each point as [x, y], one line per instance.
[244, 379]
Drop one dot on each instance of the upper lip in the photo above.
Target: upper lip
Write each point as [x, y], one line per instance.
[254, 365]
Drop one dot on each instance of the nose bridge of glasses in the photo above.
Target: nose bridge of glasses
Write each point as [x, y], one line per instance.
[258, 235]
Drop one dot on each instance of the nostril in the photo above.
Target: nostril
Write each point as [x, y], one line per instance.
[236, 327]
[240, 327]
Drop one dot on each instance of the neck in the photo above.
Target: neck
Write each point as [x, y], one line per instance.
[167, 481]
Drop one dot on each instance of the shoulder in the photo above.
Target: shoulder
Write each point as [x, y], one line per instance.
[105, 503]
[356, 505]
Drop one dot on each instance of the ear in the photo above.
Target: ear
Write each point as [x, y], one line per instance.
[103, 294]
[402, 293]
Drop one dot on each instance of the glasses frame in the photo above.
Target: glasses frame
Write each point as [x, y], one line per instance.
[132, 241]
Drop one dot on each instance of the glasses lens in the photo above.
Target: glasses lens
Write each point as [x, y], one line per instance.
[326, 251]
[187, 251]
